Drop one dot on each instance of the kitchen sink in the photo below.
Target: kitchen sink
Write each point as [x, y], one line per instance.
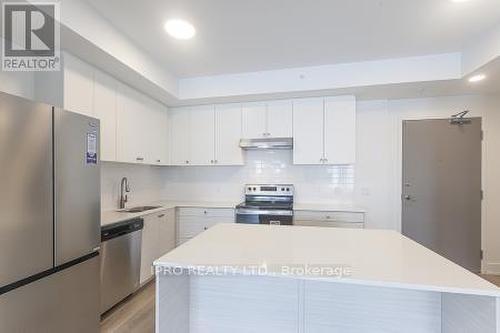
[139, 209]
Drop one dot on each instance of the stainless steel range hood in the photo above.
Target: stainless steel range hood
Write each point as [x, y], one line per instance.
[267, 143]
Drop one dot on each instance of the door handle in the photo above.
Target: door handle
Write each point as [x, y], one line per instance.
[407, 197]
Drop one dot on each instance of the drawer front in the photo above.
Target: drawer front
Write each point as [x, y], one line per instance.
[353, 225]
[190, 226]
[208, 212]
[350, 217]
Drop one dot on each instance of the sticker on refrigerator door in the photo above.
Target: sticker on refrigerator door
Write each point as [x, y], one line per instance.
[91, 154]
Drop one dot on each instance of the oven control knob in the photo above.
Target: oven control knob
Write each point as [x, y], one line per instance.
[282, 189]
[288, 189]
[249, 188]
[254, 189]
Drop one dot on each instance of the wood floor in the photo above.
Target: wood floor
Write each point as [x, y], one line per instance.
[137, 313]
[495, 279]
[134, 315]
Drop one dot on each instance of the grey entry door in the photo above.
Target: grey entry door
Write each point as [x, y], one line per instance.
[441, 190]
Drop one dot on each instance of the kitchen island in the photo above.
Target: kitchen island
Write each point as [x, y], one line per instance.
[255, 278]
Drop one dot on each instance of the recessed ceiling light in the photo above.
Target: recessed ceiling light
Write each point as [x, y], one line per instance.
[180, 29]
[477, 78]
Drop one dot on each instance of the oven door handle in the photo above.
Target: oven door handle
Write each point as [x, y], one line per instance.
[243, 211]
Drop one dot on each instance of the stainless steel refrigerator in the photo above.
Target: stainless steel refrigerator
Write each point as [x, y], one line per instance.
[49, 219]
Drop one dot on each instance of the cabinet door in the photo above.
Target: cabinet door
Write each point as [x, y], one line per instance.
[157, 133]
[254, 120]
[202, 136]
[105, 109]
[149, 246]
[340, 130]
[129, 126]
[308, 131]
[167, 232]
[228, 135]
[78, 86]
[179, 135]
[279, 119]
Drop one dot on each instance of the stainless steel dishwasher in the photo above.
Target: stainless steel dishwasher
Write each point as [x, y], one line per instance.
[120, 261]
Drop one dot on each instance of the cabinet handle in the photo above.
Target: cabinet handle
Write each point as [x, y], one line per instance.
[159, 161]
[161, 215]
[212, 161]
[204, 212]
[216, 161]
[205, 228]
[187, 162]
[140, 158]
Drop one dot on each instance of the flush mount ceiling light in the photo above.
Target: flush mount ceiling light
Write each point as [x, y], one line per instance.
[180, 29]
[477, 78]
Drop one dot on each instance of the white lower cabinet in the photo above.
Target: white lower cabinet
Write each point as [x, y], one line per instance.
[158, 238]
[333, 219]
[193, 221]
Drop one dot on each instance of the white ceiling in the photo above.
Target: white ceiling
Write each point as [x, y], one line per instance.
[252, 35]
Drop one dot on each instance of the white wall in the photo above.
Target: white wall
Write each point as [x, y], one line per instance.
[18, 83]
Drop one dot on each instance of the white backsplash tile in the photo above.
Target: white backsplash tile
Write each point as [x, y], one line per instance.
[313, 183]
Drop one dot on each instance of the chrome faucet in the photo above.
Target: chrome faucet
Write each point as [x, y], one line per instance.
[124, 189]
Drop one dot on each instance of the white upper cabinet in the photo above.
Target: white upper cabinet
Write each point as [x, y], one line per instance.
[132, 129]
[157, 132]
[340, 130]
[206, 135]
[324, 130]
[279, 119]
[271, 119]
[202, 135]
[78, 86]
[228, 121]
[141, 128]
[308, 120]
[179, 124]
[105, 110]
[254, 120]
[133, 126]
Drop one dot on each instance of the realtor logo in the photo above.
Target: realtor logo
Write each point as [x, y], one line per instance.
[30, 37]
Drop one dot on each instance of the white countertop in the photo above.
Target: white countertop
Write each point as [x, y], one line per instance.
[114, 216]
[375, 257]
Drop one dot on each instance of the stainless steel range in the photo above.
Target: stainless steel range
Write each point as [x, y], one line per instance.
[266, 204]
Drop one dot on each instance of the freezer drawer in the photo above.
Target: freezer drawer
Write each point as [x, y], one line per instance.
[67, 301]
[77, 186]
[26, 227]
